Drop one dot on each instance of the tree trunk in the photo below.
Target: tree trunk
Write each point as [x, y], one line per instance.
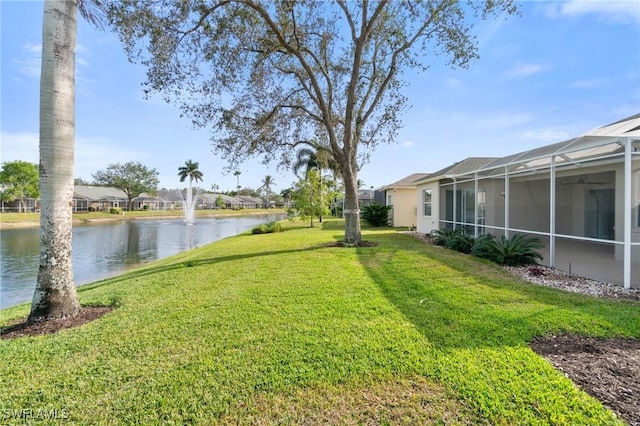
[352, 231]
[55, 294]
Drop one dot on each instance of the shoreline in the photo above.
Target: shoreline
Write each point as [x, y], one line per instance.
[115, 218]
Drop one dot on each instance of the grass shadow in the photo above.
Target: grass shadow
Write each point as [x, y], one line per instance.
[152, 270]
[457, 301]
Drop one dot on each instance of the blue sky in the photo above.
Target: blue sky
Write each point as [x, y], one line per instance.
[559, 70]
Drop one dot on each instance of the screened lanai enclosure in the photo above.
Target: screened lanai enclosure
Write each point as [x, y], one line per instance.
[580, 197]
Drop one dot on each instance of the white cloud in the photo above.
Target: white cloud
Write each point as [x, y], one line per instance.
[524, 70]
[91, 154]
[611, 12]
[486, 29]
[20, 146]
[453, 82]
[500, 121]
[545, 135]
[586, 83]
[33, 48]
[407, 144]
[29, 63]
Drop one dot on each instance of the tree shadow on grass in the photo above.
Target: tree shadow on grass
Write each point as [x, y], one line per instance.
[191, 263]
[21, 328]
[459, 302]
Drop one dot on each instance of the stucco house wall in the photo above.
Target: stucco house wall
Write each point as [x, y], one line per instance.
[404, 205]
[402, 196]
[427, 223]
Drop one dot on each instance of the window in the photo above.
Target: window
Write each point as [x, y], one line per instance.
[426, 200]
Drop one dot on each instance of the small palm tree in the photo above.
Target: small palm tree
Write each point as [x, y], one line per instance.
[315, 159]
[307, 160]
[318, 159]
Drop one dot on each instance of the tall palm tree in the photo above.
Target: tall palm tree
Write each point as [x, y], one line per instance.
[55, 294]
[267, 182]
[286, 194]
[237, 175]
[190, 170]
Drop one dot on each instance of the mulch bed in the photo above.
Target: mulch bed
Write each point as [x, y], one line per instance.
[606, 369]
[21, 328]
[344, 244]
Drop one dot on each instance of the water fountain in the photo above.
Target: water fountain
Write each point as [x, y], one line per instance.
[189, 205]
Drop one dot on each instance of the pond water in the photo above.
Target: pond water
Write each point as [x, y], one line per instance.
[108, 249]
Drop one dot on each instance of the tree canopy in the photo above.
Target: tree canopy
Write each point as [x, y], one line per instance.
[267, 76]
[311, 197]
[132, 178]
[19, 180]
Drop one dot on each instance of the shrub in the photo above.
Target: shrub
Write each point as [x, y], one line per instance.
[376, 214]
[537, 271]
[454, 239]
[267, 228]
[145, 207]
[518, 251]
[115, 210]
[482, 246]
[291, 213]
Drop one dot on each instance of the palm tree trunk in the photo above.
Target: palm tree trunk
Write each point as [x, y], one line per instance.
[55, 294]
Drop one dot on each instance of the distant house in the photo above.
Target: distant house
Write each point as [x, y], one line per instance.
[229, 201]
[365, 197]
[402, 196]
[248, 202]
[581, 197]
[98, 198]
[150, 202]
[172, 198]
[28, 204]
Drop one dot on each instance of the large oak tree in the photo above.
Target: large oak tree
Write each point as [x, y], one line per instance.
[269, 75]
[132, 178]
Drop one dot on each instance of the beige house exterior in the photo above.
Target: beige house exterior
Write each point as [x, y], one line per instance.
[580, 197]
[402, 196]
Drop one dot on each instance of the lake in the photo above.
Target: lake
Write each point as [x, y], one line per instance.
[107, 249]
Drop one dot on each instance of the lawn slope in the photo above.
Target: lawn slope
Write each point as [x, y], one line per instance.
[280, 328]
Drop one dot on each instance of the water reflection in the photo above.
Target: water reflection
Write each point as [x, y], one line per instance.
[105, 250]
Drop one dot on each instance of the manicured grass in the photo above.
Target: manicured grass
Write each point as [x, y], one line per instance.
[88, 216]
[281, 329]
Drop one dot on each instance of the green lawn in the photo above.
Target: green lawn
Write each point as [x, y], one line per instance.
[88, 216]
[280, 329]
